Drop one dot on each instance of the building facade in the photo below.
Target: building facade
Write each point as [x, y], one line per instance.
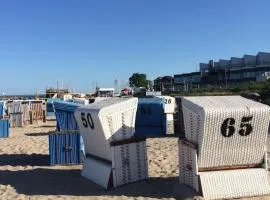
[187, 81]
[221, 73]
[164, 84]
[236, 70]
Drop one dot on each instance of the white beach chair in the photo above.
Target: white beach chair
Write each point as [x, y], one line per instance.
[112, 157]
[169, 110]
[224, 154]
[169, 104]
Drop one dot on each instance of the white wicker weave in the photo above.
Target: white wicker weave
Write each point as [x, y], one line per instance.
[82, 101]
[16, 120]
[221, 184]
[188, 168]
[204, 119]
[235, 183]
[129, 164]
[97, 99]
[14, 107]
[106, 121]
[112, 119]
[223, 132]
[169, 124]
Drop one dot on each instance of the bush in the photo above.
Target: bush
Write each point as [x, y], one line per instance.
[263, 88]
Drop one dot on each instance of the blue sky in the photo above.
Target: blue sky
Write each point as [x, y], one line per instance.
[83, 42]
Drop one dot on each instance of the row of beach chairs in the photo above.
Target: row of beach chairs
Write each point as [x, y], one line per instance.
[222, 154]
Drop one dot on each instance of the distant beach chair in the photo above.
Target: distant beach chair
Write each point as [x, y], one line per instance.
[4, 128]
[155, 116]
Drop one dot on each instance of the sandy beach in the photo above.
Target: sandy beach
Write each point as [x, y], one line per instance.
[25, 172]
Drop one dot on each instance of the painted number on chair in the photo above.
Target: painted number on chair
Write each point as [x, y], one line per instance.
[228, 127]
[168, 101]
[146, 110]
[87, 120]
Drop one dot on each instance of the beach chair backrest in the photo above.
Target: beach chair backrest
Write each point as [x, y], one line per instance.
[103, 122]
[64, 112]
[227, 130]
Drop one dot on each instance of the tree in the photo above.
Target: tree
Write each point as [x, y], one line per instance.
[265, 92]
[138, 80]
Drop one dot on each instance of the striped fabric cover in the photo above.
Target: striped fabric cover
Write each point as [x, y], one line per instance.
[26, 115]
[229, 130]
[150, 112]
[49, 107]
[18, 114]
[16, 120]
[49, 104]
[1, 109]
[37, 110]
[150, 117]
[64, 148]
[64, 112]
[14, 107]
[4, 128]
[66, 121]
[65, 106]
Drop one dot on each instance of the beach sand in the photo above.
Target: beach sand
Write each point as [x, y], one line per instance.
[26, 174]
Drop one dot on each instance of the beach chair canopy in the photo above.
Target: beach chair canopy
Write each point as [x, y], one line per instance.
[227, 130]
[105, 121]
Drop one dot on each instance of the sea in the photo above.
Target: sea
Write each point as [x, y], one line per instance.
[21, 97]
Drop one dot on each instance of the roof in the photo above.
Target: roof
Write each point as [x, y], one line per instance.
[105, 89]
[223, 103]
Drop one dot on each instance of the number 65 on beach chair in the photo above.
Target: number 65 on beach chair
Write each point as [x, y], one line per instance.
[224, 154]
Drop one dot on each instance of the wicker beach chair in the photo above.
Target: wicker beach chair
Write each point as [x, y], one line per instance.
[224, 154]
[113, 157]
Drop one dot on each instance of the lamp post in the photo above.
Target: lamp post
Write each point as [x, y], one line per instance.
[226, 82]
[171, 85]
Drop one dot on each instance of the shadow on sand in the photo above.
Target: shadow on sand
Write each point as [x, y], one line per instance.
[40, 134]
[69, 182]
[51, 119]
[47, 126]
[24, 160]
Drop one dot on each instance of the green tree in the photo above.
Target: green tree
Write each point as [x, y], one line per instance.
[138, 80]
[265, 92]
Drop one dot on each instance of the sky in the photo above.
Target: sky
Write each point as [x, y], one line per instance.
[86, 42]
